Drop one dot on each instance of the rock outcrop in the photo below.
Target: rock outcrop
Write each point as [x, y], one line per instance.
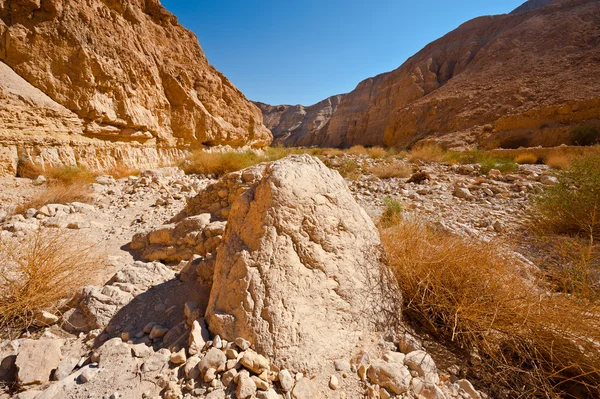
[297, 270]
[297, 125]
[111, 71]
[530, 74]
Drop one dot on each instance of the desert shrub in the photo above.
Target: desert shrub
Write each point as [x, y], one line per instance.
[56, 192]
[392, 213]
[377, 152]
[70, 175]
[514, 142]
[38, 272]
[559, 161]
[358, 150]
[27, 169]
[391, 169]
[526, 158]
[120, 171]
[531, 344]
[348, 168]
[585, 135]
[573, 205]
[502, 164]
[332, 152]
[429, 152]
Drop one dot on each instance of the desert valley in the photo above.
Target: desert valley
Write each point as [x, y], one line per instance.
[431, 234]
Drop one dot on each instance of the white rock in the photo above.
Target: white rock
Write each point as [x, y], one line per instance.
[298, 235]
[392, 376]
[334, 383]
[286, 380]
[245, 387]
[36, 360]
[424, 365]
[254, 362]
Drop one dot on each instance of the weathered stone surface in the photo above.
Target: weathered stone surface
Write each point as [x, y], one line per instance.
[392, 376]
[140, 75]
[423, 364]
[295, 273]
[36, 360]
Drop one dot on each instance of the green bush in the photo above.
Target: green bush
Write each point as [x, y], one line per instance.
[573, 205]
[392, 214]
[585, 136]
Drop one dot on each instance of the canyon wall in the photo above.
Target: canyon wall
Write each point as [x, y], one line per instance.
[112, 71]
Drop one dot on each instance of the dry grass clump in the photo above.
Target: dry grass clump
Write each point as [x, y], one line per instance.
[429, 152]
[378, 152]
[392, 214]
[348, 168]
[357, 150]
[120, 171]
[39, 272]
[389, 170]
[559, 161]
[526, 159]
[531, 344]
[220, 163]
[332, 152]
[56, 193]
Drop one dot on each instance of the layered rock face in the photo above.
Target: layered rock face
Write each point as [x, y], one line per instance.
[297, 125]
[529, 73]
[297, 271]
[118, 72]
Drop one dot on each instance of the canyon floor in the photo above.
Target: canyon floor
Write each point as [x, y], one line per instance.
[135, 331]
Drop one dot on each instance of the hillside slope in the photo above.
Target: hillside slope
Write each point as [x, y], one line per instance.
[532, 73]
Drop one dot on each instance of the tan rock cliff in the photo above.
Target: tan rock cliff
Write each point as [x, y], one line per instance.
[115, 71]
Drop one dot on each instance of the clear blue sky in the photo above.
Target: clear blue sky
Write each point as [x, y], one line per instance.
[301, 52]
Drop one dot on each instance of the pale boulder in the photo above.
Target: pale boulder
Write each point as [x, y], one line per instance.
[297, 271]
[36, 360]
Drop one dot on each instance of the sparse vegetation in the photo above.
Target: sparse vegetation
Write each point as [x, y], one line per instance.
[585, 135]
[429, 152]
[56, 193]
[573, 205]
[349, 169]
[392, 214]
[378, 152]
[220, 163]
[120, 171]
[559, 161]
[391, 169]
[466, 292]
[526, 159]
[486, 160]
[39, 272]
[357, 150]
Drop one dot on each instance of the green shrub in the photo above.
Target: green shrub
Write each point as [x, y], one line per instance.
[573, 205]
[392, 214]
[585, 135]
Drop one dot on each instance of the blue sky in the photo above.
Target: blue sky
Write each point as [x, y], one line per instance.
[301, 52]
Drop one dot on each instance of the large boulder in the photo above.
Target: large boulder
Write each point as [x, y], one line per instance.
[298, 271]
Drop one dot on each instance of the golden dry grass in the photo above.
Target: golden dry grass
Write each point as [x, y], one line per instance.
[389, 170]
[378, 152]
[120, 171]
[332, 152]
[526, 159]
[39, 272]
[531, 344]
[220, 163]
[559, 161]
[429, 152]
[56, 193]
[357, 150]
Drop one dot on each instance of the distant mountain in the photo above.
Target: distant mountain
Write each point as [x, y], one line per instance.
[297, 125]
[530, 75]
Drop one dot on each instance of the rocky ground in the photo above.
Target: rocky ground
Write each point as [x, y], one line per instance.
[141, 330]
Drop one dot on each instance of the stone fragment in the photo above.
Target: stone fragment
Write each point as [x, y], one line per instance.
[286, 380]
[199, 335]
[305, 389]
[392, 376]
[178, 357]
[214, 358]
[423, 364]
[245, 387]
[254, 362]
[36, 360]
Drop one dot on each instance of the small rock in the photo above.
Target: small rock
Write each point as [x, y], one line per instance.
[304, 389]
[334, 382]
[260, 384]
[43, 318]
[199, 335]
[548, 180]
[254, 362]
[214, 358]
[158, 332]
[178, 357]
[87, 375]
[245, 387]
[286, 380]
[242, 343]
[210, 374]
[269, 394]
[392, 376]
[424, 365]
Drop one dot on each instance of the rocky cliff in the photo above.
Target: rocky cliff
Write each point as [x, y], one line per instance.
[528, 74]
[297, 125]
[115, 71]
